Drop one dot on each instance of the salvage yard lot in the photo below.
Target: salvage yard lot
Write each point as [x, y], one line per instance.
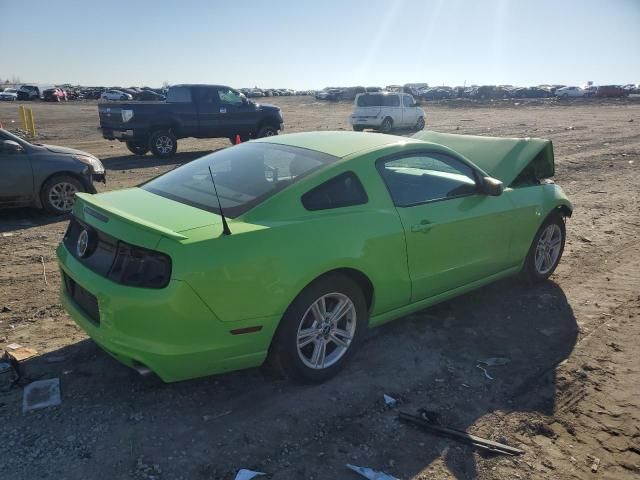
[570, 393]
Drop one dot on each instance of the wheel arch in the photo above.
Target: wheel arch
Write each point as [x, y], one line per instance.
[563, 210]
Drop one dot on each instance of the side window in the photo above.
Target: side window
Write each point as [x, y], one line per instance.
[343, 190]
[408, 101]
[426, 177]
[229, 97]
[391, 100]
[179, 95]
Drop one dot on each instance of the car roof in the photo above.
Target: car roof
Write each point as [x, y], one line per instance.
[338, 144]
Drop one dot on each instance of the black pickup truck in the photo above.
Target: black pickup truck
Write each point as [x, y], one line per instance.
[200, 111]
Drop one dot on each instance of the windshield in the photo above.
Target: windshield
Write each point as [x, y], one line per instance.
[245, 176]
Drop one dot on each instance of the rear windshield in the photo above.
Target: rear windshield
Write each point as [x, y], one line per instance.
[378, 100]
[245, 176]
[179, 95]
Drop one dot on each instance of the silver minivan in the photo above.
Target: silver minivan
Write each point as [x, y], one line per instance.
[385, 111]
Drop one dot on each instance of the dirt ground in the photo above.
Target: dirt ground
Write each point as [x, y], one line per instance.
[570, 394]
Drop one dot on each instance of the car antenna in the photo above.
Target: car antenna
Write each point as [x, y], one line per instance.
[225, 225]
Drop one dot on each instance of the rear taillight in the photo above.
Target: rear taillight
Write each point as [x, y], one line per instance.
[139, 267]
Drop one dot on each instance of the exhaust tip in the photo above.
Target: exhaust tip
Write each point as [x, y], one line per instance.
[142, 369]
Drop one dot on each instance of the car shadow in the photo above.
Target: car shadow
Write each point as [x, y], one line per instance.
[132, 162]
[426, 360]
[16, 219]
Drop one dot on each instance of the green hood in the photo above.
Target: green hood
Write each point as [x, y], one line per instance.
[502, 158]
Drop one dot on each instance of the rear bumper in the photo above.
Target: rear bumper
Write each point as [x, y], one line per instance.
[171, 330]
[121, 134]
[373, 122]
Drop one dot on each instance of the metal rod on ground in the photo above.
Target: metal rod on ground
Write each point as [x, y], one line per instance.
[32, 122]
[461, 436]
[23, 117]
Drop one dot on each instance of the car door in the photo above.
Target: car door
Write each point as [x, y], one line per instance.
[393, 108]
[16, 176]
[454, 234]
[409, 111]
[237, 115]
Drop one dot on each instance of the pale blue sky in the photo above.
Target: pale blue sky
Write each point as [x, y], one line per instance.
[312, 44]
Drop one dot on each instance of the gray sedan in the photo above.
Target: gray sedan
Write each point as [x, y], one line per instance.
[44, 176]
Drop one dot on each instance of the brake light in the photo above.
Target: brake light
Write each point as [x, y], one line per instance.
[140, 267]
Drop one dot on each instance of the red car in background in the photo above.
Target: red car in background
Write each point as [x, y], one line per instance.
[54, 95]
[610, 91]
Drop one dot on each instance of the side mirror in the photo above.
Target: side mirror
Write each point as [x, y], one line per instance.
[9, 146]
[491, 186]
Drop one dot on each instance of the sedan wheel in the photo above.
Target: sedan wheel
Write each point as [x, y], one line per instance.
[59, 194]
[320, 330]
[546, 248]
[326, 331]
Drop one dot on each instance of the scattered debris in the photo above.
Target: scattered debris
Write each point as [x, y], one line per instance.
[486, 374]
[585, 239]
[206, 418]
[369, 473]
[595, 464]
[8, 234]
[14, 346]
[244, 474]
[44, 271]
[22, 353]
[495, 361]
[5, 309]
[41, 394]
[389, 401]
[460, 435]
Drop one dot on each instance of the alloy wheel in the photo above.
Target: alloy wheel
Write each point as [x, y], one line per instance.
[62, 196]
[326, 330]
[548, 249]
[164, 144]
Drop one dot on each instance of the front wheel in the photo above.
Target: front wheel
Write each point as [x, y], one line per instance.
[321, 329]
[546, 249]
[420, 124]
[58, 194]
[356, 128]
[138, 148]
[163, 143]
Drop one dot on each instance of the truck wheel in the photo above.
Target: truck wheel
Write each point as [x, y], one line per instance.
[58, 194]
[163, 143]
[387, 125]
[267, 131]
[420, 124]
[138, 148]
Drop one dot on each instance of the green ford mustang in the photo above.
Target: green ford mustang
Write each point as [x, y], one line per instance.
[310, 239]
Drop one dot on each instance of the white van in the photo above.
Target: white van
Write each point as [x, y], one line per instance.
[385, 111]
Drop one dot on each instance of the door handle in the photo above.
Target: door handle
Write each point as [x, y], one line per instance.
[423, 227]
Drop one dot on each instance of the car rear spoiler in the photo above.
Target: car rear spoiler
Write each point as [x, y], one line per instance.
[502, 158]
[89, 199]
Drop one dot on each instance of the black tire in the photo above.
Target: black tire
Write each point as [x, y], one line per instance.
[356, 128]
[387, 125]
[267, 131]
[284, 353]
[163, 143]
[531, 270]
[420, 124]
[58, 194]
[137, 148]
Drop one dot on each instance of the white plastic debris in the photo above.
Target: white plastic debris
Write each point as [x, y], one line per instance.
[244, 474]
[486, 374]
[389, 400]
[494, 361]
[370, 474]
[41, 394]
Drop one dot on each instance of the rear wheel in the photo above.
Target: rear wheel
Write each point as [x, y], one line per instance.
[138, 148]
[357, 128]
[320, 330]
[387, 125]
[546, 249]
[58, 194]
[267, 131]
[163, 143]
